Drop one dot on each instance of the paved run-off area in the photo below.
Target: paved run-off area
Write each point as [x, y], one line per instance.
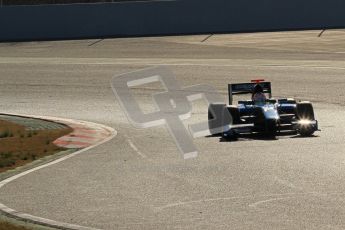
[138, 180]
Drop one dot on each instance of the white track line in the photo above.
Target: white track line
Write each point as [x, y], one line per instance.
[286, 183]
[256, 204]
[275, 196]
[43, 221]
[177, 62]
[135, 148]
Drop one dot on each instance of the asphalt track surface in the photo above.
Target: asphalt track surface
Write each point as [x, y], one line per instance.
[139, 180]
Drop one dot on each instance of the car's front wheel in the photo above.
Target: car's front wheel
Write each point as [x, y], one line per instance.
[306, 118]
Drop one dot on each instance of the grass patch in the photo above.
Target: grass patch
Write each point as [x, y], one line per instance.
[8, 226]
[19, 146]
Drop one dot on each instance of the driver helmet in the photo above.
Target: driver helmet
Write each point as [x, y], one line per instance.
[258, 94]
[258, 89]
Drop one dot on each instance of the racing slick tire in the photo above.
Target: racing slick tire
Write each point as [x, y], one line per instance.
[235, 114]
[305, 111]
[219, 119]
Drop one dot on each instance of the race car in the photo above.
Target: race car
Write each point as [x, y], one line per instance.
[269, 117]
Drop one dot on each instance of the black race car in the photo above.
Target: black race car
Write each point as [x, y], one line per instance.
[269, 117]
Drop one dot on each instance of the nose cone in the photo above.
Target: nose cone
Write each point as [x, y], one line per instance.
[271, 113]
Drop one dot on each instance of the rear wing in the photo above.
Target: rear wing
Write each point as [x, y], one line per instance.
[247, 88]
